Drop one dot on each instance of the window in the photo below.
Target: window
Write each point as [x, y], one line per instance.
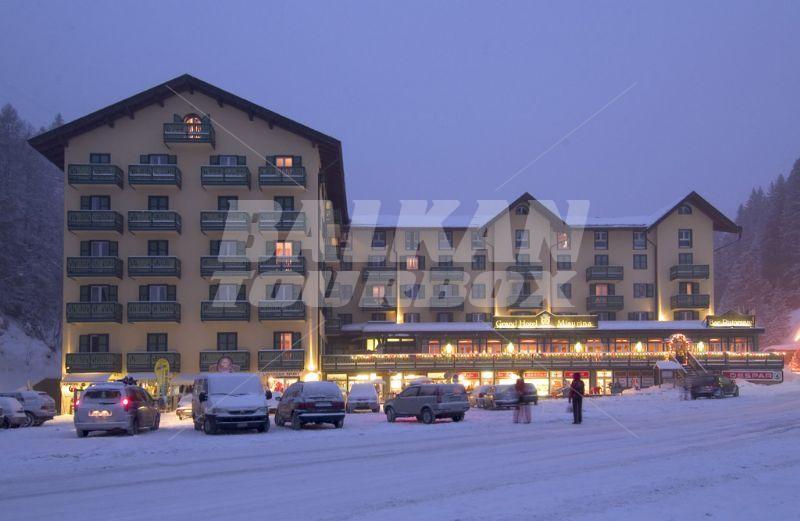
[99, 159]
[283, 203]
[522, 259]
[413, 263]
[379, 239]
[478, 240]
[226, 248]
[478, 291]
[158, 203]
[283, 291]
[409, 318]
[227, 341]
[607, 315]
[157, 342]
[563, 262]
[477, 317]
[689, 288]
[228, 160]
[412, 240]
[378, 291]
[685, 258]
[639, 240]
[157, 248]
[226, 292]
[686, 315]
[445, 290]
[639, 261]
[444, 317]
[227, 202]
[378, 317]
[601, 289]
[445, 261]
[522, 209]
[565, 290]
[601, 240]
[95, 202]
[286, 340]
[345, 292]
[286, 162]
[684, 238]
[98, 293]
[640, 315]
[521, 238]
[413, 290]
[157, 293]
[194, 126]
[347, 263]
[285, 249]
[346, 318]
[479, 262]
[643, 290]
[376, 261]
[99, 249]
[563, 241]
[446, 239]
[601, 260]
[684, 209]
[93, 343]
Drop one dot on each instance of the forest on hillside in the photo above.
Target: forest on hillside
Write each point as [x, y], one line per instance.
[760, 273]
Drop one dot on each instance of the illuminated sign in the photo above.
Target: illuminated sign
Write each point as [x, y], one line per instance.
[546, 320]
[731, 319]
[754, 376]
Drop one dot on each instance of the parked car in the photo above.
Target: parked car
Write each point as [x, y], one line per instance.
[115, 407]
[477, 398]
[311, 402]
[363, 397]
[427, 402]
[184, 409]
[38, 406]
[272, 403]
[505, 396]
[713, 387]
[228, 401]
[13, 413]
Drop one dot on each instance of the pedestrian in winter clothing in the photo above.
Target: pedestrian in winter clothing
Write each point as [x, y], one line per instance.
[576, 392]
[523, 410]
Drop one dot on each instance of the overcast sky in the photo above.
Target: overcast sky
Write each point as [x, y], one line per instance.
[625, 104]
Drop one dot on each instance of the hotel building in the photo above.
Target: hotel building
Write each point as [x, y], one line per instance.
[210, 233]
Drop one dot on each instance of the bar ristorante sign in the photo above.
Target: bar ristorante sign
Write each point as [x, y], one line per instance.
[731, 319]
[546, 320]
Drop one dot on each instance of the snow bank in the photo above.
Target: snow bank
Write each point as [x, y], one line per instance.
[23, 359]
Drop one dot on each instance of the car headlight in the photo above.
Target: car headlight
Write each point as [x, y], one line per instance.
[261, 410]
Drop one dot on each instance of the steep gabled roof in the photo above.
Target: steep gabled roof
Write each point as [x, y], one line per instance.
[51, 144]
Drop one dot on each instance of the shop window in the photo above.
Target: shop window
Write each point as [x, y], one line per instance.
[157, 342]
[639, 262]
[227, 341]
[95, 343]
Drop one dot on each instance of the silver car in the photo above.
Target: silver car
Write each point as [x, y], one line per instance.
[13, 413]
[429, 401]
[363, 397]
[115, 407]
[38, 406]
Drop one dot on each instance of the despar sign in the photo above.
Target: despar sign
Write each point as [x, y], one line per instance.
[754, 376]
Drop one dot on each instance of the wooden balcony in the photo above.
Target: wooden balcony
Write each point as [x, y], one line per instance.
[94, 220]
[240, 358]
[178, 133]
[93, 362]
[273, 359]
[281, 265]
[221, 310]
[78, 312]
[221, 221]
[689, 271]
[154, 221]
[154, 175]
[281, 310]
[225, 176]
[604, 273]
[154, 312]
[605, 302]
[271, 175]
[145, 361]
[282, 220]
[698, 301]
[94, 267]
[378, 303]
[224, 265]
[95, 175]
[154, 266]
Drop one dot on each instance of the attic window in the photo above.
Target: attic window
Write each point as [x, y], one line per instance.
[521, 210]
[194, 127]
[685, 209]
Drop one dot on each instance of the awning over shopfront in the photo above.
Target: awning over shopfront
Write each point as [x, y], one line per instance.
[142, 376]
[90, 378]
[183, 379]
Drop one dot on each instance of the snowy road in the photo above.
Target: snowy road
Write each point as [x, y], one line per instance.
[643, 456]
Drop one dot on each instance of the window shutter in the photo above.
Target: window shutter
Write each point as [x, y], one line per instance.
[212, 291]
[270, 291]
[144, 159]
[84, 293]
[177, 118]
[297, 248]
[650, 290]
[86, 202]
[144, 293]
[296, 291]
[112, 294]
[172, 160]
[296, 339]
[172, 294]
[241, 160]
[242, 295]
[86, 248]
[213, 160]
[611, 289]
[421, 262]
[276, 340]
[214, 248]
[113, 248]
[297, 160]
[83, 345]
[270, 248]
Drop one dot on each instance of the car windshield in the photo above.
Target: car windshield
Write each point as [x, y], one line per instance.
[322, 390]
[235, 385]
[363, 390]
[186, 399]
[101, 394]
[707, 380]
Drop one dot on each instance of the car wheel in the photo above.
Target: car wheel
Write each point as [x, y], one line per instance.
[4, 423]
[377, 409]
[458, 417]
[297, 423]
[339, 423]
[30, 419]
[264, 427]
[134, 427]
[694, 397]
[427, 416]
[197, 425]
[719, 393]
[208, 427]
[278, 420]
[157, 422]
[736, 391]
[82, 433]
[390, 414]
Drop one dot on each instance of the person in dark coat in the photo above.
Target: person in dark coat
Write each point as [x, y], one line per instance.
[576, 392]
[523, 411]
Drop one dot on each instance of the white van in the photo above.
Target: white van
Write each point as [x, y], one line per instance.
[229, 401]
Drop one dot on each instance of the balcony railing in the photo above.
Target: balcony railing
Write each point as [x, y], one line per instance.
[222, 310]
[239, 358]
[378, 273]
[154, 312]
[533, 270]
[218, 175]
[154, 221]
[154, 267]
[93, 362]
[690, 301]
[94, 220]
[189, 133]
[333, 326]
[605, 302]
[94, 267]
[145, 361]
[94, 312]
[273, 359]
[95, 175]
[528, 302]
[604, 273]
[224, 265]
[274, 264]
[285, 220]
[689, 271]
[221, 220]
[450, 302]
[447, 273]
[281, 310]
[154, 175]
[273, 176]
[369, 302]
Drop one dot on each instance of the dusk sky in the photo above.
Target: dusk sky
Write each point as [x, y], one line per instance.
[629, 106]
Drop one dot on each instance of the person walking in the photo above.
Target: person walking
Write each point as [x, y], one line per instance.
[523, 410]
[576, 392]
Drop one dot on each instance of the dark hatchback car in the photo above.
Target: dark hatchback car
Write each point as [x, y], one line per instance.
[311, 402]
[714, 387]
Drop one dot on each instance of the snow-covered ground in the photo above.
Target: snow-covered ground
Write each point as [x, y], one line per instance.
[23, 359]
[648, 456]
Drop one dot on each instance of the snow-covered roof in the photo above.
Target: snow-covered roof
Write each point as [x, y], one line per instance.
[92, 378]
[669, 365]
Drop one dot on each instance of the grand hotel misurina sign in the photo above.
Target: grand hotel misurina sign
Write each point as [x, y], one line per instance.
[546, 320]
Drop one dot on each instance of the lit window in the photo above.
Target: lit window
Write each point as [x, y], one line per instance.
[194, 126]
[562, 239]
[378, 291]
[283, 249]
[283, 161]
[412, 263]
[284, 340]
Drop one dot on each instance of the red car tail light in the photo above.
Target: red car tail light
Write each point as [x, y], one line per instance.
[126, 403]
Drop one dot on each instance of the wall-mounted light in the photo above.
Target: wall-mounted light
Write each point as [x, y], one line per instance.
[510, 347]
[639, 347]
[578, 347]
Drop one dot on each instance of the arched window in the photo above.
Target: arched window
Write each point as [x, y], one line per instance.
[194, 126]
[521, 210]
[685, 209]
